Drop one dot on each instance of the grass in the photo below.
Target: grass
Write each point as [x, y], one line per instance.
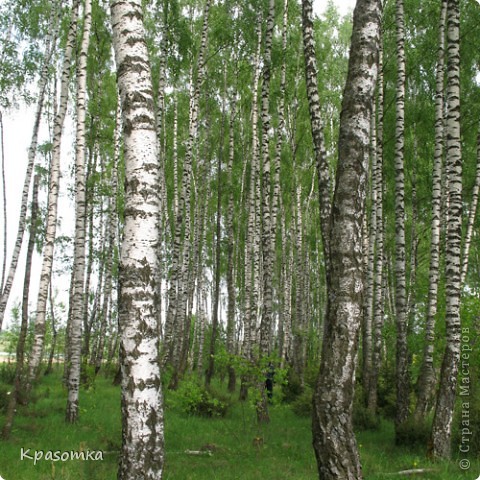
[233, 447]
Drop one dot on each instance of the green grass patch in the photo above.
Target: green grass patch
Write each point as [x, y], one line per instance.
[200, 448]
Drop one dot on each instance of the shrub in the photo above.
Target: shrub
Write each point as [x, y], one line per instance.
[414, 433]
[292, 387]
[7, 373]
[302, 406]
[194, 399]
[364, 419]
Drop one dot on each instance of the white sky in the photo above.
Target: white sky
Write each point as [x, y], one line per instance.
[17, 136]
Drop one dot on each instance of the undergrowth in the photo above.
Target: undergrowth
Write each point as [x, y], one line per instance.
[198, 447]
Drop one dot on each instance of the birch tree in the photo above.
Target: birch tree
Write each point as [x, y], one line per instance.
[316, 124]
[53, 188]
[76, 320]
[334, 441]
[426, 379]
[42, 86]
[442, 422]
[400, 262]
[471, 217]
[142, 454]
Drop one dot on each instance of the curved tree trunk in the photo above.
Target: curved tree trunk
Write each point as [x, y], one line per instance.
[333, 437]
[324, 181]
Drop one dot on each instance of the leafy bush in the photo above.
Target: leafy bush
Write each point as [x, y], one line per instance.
[291, 387]
[7, 373]
[302, 406]
[414, 433]
[88, 376]
[364, 419]
[194, 399]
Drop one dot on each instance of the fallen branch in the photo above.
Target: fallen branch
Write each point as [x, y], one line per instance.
[414, 471]
[199, 452]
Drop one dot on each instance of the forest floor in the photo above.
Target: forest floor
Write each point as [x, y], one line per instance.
[228, 448]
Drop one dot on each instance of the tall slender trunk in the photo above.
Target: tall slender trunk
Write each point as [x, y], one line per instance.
[471, 217]
[90, 192]
[230, 252]
[4, 202]
[142, 454]
[316, 125]
[15, 395]
[178, 291]
[402, 375]
[369, 254]
[51, 223]
[53, 345]
[299, 326]
[251, 292]
[73, 381]
[426, 379]
[32, 150]
[378, 303]
[267, 229]
[442, 422]
[334, 441]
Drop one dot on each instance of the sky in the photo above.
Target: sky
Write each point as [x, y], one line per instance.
[17, 136]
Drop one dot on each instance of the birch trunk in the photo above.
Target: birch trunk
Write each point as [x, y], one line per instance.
[73, 380]
[230, 252]
[32, 150]
[442, 422]
[178, 290]
[402, 377]
[142, 454]
[471, 217]
[426, 379]
[251, 289]
[267, 229]
[15, 395]
[316, 124]
[378, 304]
[333, 437]
[370, 261]
[51, 222]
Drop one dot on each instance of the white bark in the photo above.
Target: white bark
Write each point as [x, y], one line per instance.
[51, 223]
[426, 380]
[402, 380]
[73, 380]
[333, 437]
[443, 419]
[7, 286]
[471, 218]
[142, 455]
